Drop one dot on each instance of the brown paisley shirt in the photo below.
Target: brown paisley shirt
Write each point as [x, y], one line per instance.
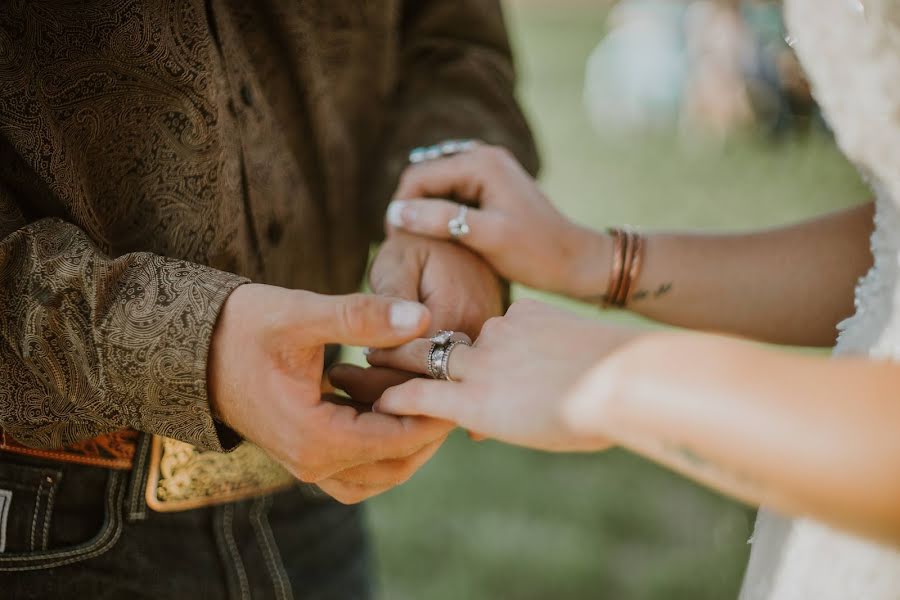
[154, 154]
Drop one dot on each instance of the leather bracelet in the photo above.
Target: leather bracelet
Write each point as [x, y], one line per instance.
[618, 263]
[634, 271]
[628, 258]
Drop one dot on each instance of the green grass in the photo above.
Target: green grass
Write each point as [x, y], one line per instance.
[487, 521]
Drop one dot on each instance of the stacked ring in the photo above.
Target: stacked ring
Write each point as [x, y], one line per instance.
[442, 150]
[445, 360]
[438, 359]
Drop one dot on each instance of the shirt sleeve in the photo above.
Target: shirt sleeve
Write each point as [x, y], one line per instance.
[456, 79]
[91, 343]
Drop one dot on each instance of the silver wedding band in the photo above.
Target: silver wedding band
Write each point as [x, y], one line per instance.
[441, 150]
[438, 359]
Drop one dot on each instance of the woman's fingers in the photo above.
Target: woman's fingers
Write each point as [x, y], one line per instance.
[422, 397]
[435, 218]
[460, 176]
[413, 357]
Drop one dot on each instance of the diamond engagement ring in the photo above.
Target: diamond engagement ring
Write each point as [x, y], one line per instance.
[438, 359]
[439, 343]
[457, 226]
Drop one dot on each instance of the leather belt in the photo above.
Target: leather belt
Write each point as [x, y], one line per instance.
[112, 450]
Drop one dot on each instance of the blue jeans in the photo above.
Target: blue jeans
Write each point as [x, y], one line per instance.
[72, 531]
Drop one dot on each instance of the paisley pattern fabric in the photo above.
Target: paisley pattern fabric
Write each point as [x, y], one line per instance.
[851, 52]
[154, 154]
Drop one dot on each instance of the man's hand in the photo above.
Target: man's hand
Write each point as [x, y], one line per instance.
[457, 286]
[265, 376]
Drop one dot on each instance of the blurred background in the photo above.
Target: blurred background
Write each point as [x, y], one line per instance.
[661, 114]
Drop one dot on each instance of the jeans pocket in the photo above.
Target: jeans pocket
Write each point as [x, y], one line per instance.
[30, 498]
[26, 503]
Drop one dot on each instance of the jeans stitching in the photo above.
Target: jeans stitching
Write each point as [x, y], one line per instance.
[138, 508]
[266, 541]
[105, 540]
[34, 516]
[48, 510]
[237, 563]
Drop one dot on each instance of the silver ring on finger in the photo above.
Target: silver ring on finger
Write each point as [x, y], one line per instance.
[439, 353]
[441, 150]
[457, 226]
[439, 342]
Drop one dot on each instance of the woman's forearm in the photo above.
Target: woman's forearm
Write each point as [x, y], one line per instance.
[789, 285]
[805, 435]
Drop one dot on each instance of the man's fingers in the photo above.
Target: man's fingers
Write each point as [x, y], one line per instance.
[432, 218]
[395, 272]
[368, 437]
[349, 493]
[413, 357]
[437, 399]
[365, 386]
[389, 473]
[364, 320]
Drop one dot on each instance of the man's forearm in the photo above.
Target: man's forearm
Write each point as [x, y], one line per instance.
[90, 344]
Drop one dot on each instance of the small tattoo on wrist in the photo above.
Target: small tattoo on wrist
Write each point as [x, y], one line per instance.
[659, 292]
[636, 296]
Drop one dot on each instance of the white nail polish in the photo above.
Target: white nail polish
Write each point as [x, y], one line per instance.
[406, 316]
[395, 213]
[368, 351]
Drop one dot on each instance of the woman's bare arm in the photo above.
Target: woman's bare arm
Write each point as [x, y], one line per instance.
[805, 435]
[789, 285]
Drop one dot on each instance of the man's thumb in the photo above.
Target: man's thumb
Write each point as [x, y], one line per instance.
[370, 320]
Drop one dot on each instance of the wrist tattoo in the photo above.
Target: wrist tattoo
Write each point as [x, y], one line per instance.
[696, 463]
[659, 292]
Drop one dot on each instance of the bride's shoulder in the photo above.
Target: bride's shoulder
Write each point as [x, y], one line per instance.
[851, 52]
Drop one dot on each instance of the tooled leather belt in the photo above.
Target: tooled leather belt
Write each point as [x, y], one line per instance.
[113, 450]
[180, 476]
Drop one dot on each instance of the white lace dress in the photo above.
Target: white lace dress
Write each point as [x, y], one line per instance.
[851, 51]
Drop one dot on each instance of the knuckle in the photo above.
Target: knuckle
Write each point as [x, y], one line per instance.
[351, 315]
[308, 475]
[305, 468]
[491, 327]
[498, 156]
[407, 179]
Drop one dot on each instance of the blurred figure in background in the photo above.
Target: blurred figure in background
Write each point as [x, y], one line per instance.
[707, 68]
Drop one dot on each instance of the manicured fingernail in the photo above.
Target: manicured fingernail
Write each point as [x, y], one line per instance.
[406, 316]
[395, 213]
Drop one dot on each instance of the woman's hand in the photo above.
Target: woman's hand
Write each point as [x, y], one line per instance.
[516, 228]
[511, 383]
